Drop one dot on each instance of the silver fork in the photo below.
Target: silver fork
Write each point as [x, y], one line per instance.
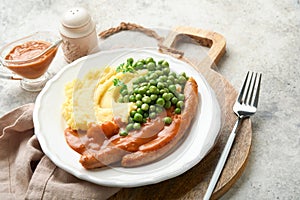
[245, 106]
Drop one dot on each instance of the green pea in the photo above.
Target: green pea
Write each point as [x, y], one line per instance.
[146, 114]
[171, 95]
[126, 99]
[168, 104]
[145, 107]
[172, 88]
[130, 120]
[171, 78]
[165, 64]
[160, 101]
[136, 90]
[168, 120]
[152, 89]
[159, 73]
[142, 90]
[138, 117]
[174, 100]
[180, 104]
[153, 97]
[158, 109]
[153, 75]
[152, 108]
[169, 82]
[163, 78]
[160, 85]
[160, 62]
[132, 113]
[151, 66]
[166, 70]
[183, 74]
[144, 84]
[156, 91]
[177, 110]
[138, 103]
[152, 115]
[139, 65]
[180, 97]
[173, 74]
[131, 98]
[164, 90]
[166, 96]
[138, 97]
[148, 93]
[123, 133]
[142, 61]
[181, 79]
[136, 126]
[129, 127]
[148, 60]
[140, 110]
[152, 81]
[158, 67]
[146, 99]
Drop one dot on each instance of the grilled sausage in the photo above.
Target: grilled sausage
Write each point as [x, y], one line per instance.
[89, 142]
[171, 135]
[117, 146]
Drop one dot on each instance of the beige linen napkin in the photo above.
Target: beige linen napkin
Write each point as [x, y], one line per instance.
[26, 173]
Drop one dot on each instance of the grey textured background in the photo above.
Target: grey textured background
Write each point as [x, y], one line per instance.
[262, 36]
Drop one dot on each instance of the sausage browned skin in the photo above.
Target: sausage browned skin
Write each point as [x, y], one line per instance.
[90, 141]
[117, 146]
[108, 155]
[93, 138]
[171, 135]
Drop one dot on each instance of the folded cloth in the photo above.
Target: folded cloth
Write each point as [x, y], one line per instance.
[25, 171]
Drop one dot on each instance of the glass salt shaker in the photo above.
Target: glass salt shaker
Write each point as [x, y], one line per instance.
[78, 34]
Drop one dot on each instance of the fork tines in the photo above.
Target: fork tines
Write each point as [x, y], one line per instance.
[250, 89]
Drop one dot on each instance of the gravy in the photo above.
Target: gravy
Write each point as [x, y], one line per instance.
[28, 67]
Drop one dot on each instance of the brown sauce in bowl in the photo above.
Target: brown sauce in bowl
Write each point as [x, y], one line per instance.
[21, 59]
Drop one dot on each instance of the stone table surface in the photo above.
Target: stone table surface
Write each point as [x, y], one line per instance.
[262, 36]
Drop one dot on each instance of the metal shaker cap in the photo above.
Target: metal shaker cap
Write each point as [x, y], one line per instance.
[76, 23]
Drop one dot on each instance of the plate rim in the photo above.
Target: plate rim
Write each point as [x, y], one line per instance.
[92, 179]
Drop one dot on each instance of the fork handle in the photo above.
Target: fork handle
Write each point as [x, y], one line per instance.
[222, 161]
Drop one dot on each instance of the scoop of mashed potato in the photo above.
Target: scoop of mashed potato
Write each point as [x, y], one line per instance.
[92, 99]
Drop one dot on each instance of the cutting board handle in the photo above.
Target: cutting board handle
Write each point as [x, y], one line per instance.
[215, 41]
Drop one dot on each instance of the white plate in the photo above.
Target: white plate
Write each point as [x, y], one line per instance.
[49, 125]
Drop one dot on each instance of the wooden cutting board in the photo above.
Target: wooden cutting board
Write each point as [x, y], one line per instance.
[193, 183]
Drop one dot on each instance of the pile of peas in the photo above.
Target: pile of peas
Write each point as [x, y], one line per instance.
[159, 89]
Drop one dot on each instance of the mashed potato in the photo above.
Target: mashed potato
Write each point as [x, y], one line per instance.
[92, 99]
